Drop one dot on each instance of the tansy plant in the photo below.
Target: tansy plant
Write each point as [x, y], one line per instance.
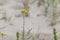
[54, 17]
[53, 14]
[24, 35]
[2, 35]
[23, 11]
[53, 24]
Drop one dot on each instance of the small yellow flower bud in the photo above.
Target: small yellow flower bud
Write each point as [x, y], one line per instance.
[24, 10]
[2, 33]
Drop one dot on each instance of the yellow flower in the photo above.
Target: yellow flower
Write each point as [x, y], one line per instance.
[24, 10]
[2, 33]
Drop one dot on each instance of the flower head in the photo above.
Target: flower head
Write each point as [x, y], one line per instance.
[2, 33]
[24, 10]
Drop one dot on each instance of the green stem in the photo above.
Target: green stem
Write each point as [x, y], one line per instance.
[17, 35]
[2, 38]
[23, 37]
[46, 11]
[55, 35]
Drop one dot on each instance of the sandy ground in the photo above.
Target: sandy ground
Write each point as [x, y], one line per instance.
[33, 21]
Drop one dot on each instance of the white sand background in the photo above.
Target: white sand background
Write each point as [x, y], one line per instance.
[33, 21]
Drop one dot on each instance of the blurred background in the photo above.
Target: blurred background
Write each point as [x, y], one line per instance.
[42, 15]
